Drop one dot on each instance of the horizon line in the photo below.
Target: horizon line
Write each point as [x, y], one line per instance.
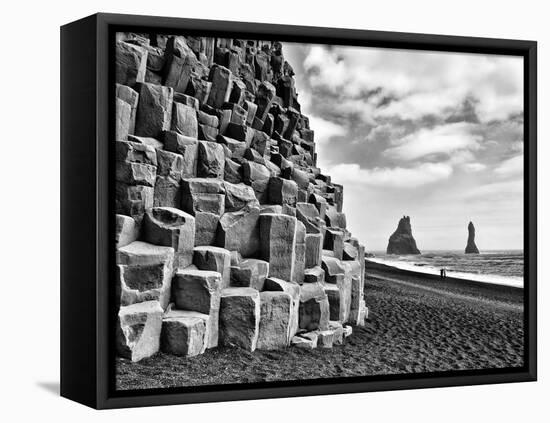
[451, 249]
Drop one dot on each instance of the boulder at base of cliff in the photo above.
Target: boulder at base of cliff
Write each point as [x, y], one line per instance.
[275, 314]
[184, 332]
[138, 330]
[240, 318]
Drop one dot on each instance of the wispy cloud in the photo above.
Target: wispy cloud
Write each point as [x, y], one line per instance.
[511, 167]
[396, 177]
[444, 139]
[492, 191]
[474, 167]
[325, 129]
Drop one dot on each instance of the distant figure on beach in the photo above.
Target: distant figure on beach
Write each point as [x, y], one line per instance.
[443, 273]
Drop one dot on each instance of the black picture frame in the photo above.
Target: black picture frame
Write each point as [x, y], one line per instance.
[87, 251]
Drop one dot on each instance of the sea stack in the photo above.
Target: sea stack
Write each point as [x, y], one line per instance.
[471, 247]
[402, 240]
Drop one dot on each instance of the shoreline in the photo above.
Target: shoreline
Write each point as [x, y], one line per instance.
[448, 280]
[416, 324]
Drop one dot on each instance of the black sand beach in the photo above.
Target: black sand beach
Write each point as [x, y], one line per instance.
[416, 324]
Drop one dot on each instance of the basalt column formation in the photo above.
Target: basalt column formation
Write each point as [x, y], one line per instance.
[227, 233]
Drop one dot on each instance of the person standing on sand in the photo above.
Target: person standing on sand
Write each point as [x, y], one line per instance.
[442, 273]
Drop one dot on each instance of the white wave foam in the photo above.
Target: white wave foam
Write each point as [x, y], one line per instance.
[514, 281]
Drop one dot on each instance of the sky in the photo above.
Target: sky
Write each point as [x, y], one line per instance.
[436, 136]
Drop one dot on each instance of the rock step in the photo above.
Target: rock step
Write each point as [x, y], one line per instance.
[138, 330]
[240, 318]
[200, 291]
[184, 333]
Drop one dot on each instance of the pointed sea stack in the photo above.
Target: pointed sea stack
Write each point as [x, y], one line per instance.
[402, 240]
[471, 247]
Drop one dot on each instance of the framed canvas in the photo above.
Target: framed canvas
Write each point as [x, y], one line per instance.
[209, 252]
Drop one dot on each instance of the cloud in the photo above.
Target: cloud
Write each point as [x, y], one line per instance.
[517, 146]
[461, 157]
[509, 131]
[443, 139]
[411, 84]
[362, 108]
[325, 68]
[474, 167]
[396, 177]
[510, 167]
[325, 129]
[451, 123]
[386, 133]
[466, 112]
[466, 161]
[497, 191]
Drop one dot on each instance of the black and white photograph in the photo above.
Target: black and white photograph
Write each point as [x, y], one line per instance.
[290, 211]
[265, 211]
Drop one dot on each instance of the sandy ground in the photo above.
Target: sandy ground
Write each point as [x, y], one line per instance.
[415, 325]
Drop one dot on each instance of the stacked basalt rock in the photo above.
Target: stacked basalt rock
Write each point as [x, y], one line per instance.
[227, 233]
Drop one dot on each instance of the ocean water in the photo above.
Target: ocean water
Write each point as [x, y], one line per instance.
[501, 267]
